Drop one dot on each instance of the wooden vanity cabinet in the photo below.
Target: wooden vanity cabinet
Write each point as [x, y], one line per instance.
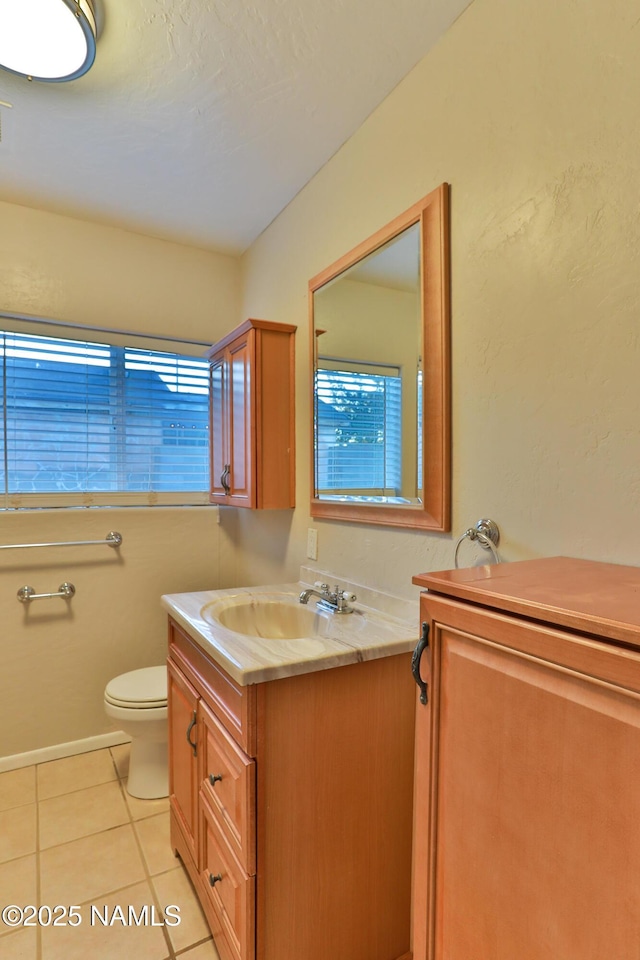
[183, 711]
[527, 837]
[300, 846]
[212, 790]
[252, 409]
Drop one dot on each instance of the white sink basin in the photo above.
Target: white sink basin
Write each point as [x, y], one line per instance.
[270, 619]
[259, 634]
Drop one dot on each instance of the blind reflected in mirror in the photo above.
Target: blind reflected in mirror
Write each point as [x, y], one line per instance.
[380, 426]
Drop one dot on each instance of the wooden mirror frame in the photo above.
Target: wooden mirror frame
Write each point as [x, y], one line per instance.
[432, 213]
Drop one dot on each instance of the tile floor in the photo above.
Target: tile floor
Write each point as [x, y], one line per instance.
[70, 835]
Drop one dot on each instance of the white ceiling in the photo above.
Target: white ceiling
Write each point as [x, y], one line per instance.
[201, 119]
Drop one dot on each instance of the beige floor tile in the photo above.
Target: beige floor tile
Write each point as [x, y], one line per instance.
[93, 866]
[17, 832]
[117, 940]
[205, 951]
[153, 834]
[17, 885]
[81, 813]
[120, 754]
[21, 945]
[175, 888]
[74, 773]
[17, 787]
[139, 809]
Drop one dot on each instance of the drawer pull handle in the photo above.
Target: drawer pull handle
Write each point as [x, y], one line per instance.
[422, 643]
[214, 879]
[213, 777]
[194, 746]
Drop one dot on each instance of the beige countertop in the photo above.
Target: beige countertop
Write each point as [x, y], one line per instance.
[366, 634]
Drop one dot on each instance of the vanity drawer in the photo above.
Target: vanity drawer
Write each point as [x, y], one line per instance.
[234, 706]
[230, 891]
[229, 785]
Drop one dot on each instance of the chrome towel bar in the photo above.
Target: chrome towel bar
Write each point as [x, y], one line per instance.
[26, 594]
[113, 539]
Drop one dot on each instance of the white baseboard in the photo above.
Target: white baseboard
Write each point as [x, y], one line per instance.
[59, 750]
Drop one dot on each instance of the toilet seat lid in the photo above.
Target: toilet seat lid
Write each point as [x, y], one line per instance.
[144, 688]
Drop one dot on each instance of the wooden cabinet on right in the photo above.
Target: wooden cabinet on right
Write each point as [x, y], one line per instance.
[527, 816]
[252, 417]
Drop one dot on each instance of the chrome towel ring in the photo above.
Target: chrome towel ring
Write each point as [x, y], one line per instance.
[487, 534]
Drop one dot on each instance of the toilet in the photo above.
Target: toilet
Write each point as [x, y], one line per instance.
[137, 702]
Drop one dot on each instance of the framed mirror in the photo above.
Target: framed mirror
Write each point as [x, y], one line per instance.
[380, 356]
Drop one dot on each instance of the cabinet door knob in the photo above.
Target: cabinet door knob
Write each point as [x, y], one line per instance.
[213, 777]
[214, 879]
[194, 746]
[421, 645]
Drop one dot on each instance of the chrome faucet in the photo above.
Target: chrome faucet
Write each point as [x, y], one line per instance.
[336, 602]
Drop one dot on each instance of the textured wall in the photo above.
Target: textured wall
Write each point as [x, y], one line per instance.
[528, 111]
[56, 658]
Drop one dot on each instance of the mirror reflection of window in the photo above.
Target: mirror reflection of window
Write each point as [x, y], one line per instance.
[368, 319]
[358, 429]
[380, 328]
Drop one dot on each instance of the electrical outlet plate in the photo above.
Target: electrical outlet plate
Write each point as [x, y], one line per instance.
[312, 543]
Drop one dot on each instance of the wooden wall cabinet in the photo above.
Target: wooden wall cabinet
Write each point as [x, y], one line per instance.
[292, 812]
[527, 842]
[252, 416]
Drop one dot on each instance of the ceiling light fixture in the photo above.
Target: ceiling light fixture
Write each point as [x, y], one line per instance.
[50, 40]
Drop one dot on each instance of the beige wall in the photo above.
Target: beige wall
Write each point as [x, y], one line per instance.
[83, 272]
[56, 658]
[529, 111]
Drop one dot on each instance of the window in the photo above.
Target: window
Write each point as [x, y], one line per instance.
[358, 431]
[100, 424]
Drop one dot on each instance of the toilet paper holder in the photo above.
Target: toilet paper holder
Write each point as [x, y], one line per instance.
[26, 594]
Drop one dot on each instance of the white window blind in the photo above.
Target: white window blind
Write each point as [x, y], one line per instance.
[358, 432]
[94, 423]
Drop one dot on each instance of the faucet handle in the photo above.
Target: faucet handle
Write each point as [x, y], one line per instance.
[349, 597]
[322, 586]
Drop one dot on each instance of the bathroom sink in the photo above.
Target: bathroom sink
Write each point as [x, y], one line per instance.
[270, 619]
